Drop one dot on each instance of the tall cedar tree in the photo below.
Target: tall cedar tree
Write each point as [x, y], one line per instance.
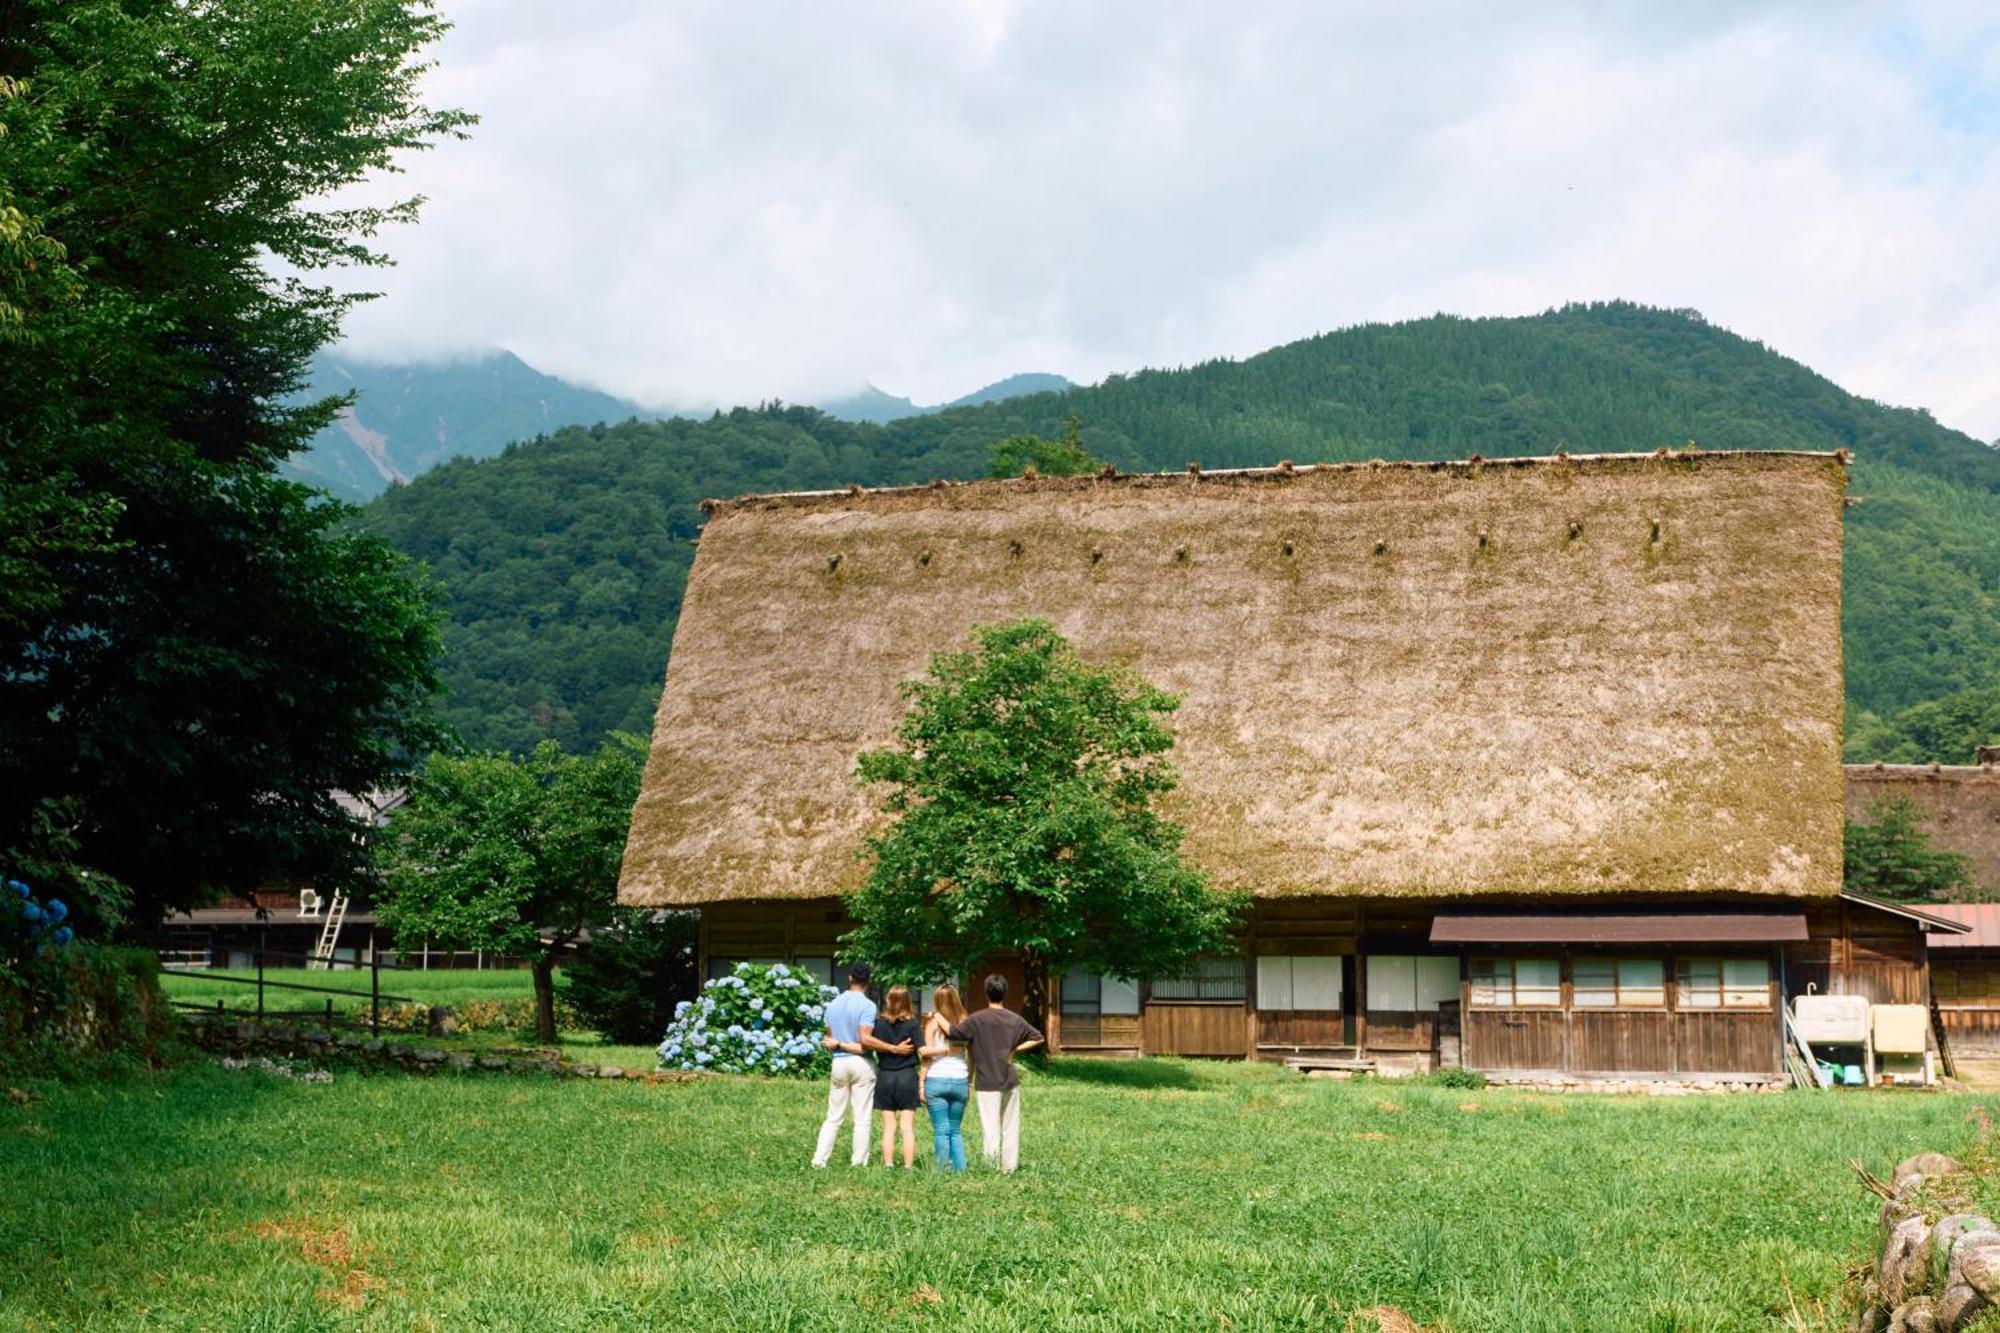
[512, 855]
[1889, 855]
[194, 654]
[1023, 787]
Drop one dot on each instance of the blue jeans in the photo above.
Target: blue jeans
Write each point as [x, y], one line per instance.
[945, 1099]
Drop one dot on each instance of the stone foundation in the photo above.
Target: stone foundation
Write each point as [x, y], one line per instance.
[1688, 1086]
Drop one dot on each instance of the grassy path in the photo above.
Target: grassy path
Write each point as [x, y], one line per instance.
[1154, 1195]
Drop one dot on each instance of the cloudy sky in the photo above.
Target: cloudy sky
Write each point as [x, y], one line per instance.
[692, 203]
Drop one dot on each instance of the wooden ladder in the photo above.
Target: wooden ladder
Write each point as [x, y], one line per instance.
[1943, 1047]
[329, 934]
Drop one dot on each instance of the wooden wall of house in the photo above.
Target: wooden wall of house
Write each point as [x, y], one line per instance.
[1855, 950]
[1967, 985]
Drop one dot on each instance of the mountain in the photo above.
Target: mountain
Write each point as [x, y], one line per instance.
[411, 417]
[562, 560]
[872, 404]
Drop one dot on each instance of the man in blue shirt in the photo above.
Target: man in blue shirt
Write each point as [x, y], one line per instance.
[850, 1035]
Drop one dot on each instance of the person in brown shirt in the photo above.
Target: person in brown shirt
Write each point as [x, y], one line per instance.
[997, 1034]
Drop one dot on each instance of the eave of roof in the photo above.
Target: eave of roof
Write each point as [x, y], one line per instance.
[1927, 918]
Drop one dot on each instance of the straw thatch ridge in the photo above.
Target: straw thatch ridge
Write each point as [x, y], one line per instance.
[1284, 471]
[1589, 674]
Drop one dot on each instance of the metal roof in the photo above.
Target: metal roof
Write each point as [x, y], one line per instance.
[1979, 922]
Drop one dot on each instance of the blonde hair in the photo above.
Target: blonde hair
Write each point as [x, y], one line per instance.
[896, 1004]
[946, 1005]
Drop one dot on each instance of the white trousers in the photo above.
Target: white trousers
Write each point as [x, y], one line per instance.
[853, 1087]
[1000, 1127]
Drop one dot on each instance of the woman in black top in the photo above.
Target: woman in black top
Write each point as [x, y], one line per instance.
[896, 1075]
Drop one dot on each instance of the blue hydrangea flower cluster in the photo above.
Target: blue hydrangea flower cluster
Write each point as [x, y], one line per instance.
[30, 926]
[757, 1020]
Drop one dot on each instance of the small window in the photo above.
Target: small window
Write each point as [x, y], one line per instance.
[1517, 983]
[1082, 993]
[1618, 983]
[1212, 979]
[1724, 983]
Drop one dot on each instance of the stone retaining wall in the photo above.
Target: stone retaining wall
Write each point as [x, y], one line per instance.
[1934, 1276]
[248, 1037]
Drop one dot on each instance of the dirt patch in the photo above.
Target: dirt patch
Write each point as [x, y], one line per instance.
[333, 1249]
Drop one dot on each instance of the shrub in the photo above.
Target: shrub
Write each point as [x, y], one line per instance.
[90, 1010]
[756, 1020]
[628, 981]
[1457, 1078]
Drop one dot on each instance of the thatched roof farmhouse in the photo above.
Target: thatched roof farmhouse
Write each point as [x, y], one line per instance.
[1412, 691]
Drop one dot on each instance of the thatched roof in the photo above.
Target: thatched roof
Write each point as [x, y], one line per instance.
[1607, 674]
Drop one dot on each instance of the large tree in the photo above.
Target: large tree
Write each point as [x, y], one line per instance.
[193, 653]
[1023, 786]
[512, 855]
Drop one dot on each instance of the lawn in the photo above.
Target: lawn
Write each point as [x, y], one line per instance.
[1154, 1194]
[444, 986]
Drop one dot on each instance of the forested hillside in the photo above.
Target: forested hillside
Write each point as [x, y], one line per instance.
[562, 560]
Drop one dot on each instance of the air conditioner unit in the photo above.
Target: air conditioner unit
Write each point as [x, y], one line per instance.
[309, 901]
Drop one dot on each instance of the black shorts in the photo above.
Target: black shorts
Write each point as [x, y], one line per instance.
[896, 1089]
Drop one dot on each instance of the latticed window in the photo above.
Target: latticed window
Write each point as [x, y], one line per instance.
[1516, 983]
[1618, 983]
[1212, 979]
[1724, 983]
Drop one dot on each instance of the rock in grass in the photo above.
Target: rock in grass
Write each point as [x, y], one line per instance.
[1904, 1257]
[1977, 1264]
[1916, 1315]
[1872, 1319]
[611, 1071]
[1959, 1305]
[1928, 1164]
[429, 1055]
[492, 1062]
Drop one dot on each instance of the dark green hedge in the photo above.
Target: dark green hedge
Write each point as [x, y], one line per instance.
[85, 1009]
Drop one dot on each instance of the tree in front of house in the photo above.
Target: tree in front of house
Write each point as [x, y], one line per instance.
[1023, 787]
[1889, 855]
[194, 653]
[1031, 455]
[513, 855]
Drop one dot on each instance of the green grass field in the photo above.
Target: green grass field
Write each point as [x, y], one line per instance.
[1153, 1194]
[444, 986]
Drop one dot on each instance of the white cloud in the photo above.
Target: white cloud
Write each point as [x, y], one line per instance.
[710, 202]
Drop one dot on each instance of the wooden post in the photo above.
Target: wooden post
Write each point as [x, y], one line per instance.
[1054, 1019]
[1360, 1004]
[1250, 990]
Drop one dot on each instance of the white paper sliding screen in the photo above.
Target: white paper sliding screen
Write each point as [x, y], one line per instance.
[1309, 983]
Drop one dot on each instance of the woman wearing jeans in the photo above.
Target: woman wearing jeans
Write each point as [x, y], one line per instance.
[943, 1082]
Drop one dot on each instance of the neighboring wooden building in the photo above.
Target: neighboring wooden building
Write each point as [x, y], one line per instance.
[1533, 761]
[1958, 805]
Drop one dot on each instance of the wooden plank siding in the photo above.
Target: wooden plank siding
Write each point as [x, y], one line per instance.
[1968, 999]
[1177, 1027]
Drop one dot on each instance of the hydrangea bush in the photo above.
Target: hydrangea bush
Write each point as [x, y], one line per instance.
[756, 1020]
[29, 928]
